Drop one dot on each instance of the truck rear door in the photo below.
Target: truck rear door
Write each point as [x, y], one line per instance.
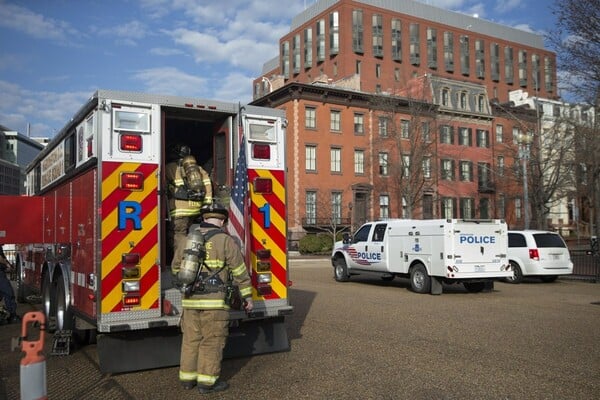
[479, 246]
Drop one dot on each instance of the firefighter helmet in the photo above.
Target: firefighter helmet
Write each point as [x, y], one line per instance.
[178, 150]
[214, 210]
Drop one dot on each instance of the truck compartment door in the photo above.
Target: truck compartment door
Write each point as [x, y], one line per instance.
[22, 220]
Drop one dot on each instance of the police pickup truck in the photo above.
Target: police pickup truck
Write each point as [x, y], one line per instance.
[428, 252]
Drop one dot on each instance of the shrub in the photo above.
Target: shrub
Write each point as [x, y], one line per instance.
[320, 243]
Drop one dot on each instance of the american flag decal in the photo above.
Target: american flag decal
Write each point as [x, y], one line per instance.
[237, 204]
[356, 257]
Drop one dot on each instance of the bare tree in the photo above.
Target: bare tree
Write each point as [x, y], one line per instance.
[406, 143]
[576, 40]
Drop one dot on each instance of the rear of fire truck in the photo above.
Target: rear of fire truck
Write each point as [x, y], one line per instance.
[102, 263]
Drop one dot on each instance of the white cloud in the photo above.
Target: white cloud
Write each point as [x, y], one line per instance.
[235, 87]
[163, 51]
[172, 81]
[36, 25]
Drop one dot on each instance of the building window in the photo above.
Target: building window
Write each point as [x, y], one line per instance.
[397, 74]
[308, 47]
[447, 169]
[501, 207]
[311, 207]
[522, 68]
[335, 120]
[446, 134]
[427, 206]
[484, 208]
[334, 32]
[466, 171]
[396, 40]
[404, 207]
[383, 126]
[359, 162]
[495, 61]
[384, 206]
[357, 31]
[425, 131]
[463, 103]
[499, 133]
[432, 48]
[481, 103]
[377, 35]
[483, 138]
[465, 58]
[311, 158]
[405, 129]
[383, 164]
[426, 167]
[548, 68]
[464, 136]
[518, 210]
[285, 59]
[320, 40]
[336, 159]
[501, 165]
[415, 44]
[296, 54]
[310, 118]
[480, 58]
[509, 73]
[359, 126]
[378, 70]
[449, 51]
[448, 207]
[483, 174]
[405, 166]
[466, 207]
[358, 67]
[446, 97]
[336, 207]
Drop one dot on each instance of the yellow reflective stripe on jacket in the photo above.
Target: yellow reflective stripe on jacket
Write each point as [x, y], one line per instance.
[246, 292]
[204, 304]
[214, 264]
[239, 270]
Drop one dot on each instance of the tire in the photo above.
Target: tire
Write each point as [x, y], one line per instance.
[340, 270]
[474, 287]
[64, 313]
[21, 292]
[49, 303]
[517, 274]
[420, 281]
[548, 278]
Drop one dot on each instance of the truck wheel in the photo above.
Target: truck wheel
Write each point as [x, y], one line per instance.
[548, 278]
[49, 303]
[517, 273]
[474, 287]
[21, 292]
[420, 281]
[340, 270]
[64, 313]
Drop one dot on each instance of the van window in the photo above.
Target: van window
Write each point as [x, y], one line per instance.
[379, 232]
[363, 234]
[548, 240]
[516, 240]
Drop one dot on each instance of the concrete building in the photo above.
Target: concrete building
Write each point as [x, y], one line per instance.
[401, 110]
[16, 152]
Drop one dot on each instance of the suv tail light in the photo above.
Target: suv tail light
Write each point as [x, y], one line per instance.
[534, 254]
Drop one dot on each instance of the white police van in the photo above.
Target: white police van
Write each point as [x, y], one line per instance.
[429, 252]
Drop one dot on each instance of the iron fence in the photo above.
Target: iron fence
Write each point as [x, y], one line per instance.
[586, 265]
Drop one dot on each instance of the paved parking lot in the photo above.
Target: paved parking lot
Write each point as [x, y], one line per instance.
[370, 339]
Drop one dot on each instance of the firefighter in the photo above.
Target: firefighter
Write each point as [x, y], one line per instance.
[204, 320]
[189, 188]
[6, 290]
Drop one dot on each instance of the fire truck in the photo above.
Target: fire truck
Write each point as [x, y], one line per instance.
[92, 229]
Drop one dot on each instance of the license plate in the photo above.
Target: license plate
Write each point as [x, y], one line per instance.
[480, 268]
[556, 256]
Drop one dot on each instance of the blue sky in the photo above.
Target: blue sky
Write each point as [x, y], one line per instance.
[54, 54]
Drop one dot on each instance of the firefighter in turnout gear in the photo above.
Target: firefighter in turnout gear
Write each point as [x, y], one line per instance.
[189, 188]
[204, 320]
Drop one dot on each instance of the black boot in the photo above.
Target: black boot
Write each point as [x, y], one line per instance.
[219, 386]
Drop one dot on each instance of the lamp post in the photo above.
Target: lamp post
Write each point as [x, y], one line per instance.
[268, 81]
[525, 140]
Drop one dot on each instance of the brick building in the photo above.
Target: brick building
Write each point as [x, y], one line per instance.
[400, 110]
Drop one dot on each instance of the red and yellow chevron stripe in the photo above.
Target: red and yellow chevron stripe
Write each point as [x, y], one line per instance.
[274, 236]
[129, 238]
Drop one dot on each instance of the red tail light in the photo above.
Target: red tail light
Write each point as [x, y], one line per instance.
[261, 151]
[263, 185]
[131, 142]
[132, 180]
[534, 254]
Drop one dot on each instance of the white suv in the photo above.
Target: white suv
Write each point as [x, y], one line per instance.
[538, 253]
